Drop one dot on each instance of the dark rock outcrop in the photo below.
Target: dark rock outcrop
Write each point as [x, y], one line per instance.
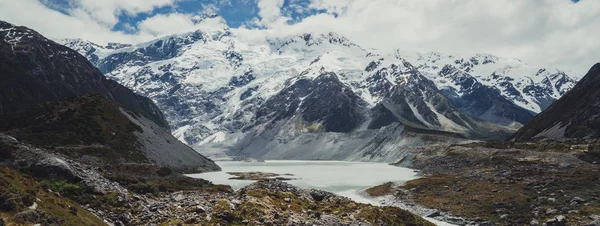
[481, 101]
[324, 100]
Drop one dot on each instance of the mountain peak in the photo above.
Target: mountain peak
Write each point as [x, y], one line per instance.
[595, 67]
[16, 34]
[311, 39]
[79, 42]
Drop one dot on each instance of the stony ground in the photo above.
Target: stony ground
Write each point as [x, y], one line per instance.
[261, 203]
[507, 186]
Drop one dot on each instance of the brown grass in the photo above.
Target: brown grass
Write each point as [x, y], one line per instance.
[27, 190]
[470, 198]
[380, 190]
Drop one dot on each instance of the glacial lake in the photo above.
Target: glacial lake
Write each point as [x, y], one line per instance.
[343, 178]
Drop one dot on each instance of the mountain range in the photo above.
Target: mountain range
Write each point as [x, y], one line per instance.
[221, 93]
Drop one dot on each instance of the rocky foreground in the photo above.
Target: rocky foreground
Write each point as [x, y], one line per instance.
[261, 203]
[545, 183]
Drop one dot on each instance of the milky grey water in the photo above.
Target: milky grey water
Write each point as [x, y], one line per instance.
[339, 177]
[348, 179]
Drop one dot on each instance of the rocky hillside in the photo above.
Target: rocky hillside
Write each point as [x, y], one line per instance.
[212, 84]
[100, 131]
[575, 115]
[34, 70]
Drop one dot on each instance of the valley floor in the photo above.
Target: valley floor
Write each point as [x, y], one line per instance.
[38, 186]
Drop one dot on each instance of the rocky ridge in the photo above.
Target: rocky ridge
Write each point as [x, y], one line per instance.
[573, 116]
[510, 84]
[267, 202]
[52, 97]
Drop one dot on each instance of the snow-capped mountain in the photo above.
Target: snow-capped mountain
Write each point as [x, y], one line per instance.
[316, 90]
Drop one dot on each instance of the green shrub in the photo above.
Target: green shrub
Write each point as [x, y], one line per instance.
[65, 188]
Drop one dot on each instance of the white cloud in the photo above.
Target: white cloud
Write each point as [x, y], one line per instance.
[88, 19]
[270, 13]
[210, 8]
[160, 25]
[94, 20]
[546, 32]
[166, 24]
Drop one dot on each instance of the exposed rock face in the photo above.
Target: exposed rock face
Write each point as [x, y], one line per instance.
[324, 102]
[313, 113]
[481, 101]
[416, 102]
[35, 70]
[575, 115]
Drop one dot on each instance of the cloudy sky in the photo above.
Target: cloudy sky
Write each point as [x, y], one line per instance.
[554, 33]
